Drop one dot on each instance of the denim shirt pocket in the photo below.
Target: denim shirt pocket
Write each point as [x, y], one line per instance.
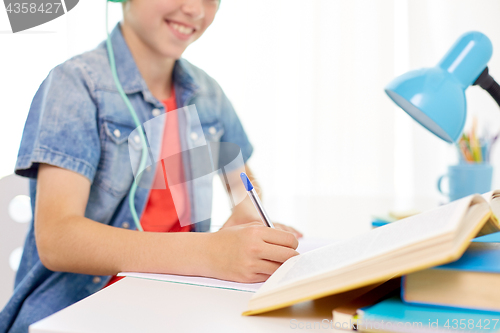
[213, 131]
[114, 173]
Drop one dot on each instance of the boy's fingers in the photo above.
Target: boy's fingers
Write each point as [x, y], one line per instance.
[267, 267]
[260, 277]
[297, 233]
[288, 228]
[280, 237]
[278, 254]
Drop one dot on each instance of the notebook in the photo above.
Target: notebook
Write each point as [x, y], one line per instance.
[422, 241]
[491, 238]
[392, 315]
[471, 282]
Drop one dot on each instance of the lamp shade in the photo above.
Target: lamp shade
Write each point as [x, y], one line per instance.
[435, 97]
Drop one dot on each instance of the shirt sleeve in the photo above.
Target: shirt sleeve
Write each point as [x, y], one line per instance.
[61, 128]
[233, 129]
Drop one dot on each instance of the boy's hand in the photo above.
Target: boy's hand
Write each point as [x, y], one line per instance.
[249, 252]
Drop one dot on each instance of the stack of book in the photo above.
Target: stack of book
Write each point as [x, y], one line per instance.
[462, 295]
[392, 216]
[448, 281]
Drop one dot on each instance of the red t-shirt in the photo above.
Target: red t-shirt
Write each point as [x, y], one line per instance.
[160, 213]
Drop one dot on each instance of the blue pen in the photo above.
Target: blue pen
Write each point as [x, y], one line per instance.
[255, 200]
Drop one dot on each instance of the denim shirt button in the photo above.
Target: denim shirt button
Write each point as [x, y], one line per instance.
[96, 279]
[148, 169]
[194, 136]
[125, 225]
[117, 133]
[156, 112]
[212, 130]
[137, 139]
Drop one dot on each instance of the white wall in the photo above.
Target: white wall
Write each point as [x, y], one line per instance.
[307, 80]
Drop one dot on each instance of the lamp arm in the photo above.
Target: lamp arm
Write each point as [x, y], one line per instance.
[486, 82]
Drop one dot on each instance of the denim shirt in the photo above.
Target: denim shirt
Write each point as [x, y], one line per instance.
[78, 121]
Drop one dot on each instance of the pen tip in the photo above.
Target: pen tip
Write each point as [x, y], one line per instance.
[246, 182]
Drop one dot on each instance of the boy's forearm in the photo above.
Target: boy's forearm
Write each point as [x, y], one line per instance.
[83, 246]
[244, 212]
[69, 242]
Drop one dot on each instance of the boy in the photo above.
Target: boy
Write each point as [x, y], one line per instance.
[75, 151]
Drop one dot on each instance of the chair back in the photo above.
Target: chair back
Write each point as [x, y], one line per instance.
[15, 218]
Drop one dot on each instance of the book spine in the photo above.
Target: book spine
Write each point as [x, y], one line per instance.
[403, 288]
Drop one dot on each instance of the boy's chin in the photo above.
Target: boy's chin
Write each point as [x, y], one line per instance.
[171, 49]
[172, 54]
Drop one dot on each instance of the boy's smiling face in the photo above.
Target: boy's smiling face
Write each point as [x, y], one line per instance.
[167, 27]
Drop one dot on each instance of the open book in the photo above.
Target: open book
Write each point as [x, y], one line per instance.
[431, 238]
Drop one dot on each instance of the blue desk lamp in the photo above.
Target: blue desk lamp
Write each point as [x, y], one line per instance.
[435, 97]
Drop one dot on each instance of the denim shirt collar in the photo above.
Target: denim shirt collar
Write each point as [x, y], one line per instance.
[132, 80]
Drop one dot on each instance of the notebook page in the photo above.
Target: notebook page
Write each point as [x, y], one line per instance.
[374, 243]
[197, 280]
[305, 245]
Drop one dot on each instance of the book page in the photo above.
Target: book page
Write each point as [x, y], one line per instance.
[372, 244]
[305, 245]
[487, 196]
[493, 198]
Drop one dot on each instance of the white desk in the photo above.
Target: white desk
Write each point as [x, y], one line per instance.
[139, 305]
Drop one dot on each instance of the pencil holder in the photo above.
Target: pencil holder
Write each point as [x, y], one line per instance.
[482, 152]
[467, 178]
